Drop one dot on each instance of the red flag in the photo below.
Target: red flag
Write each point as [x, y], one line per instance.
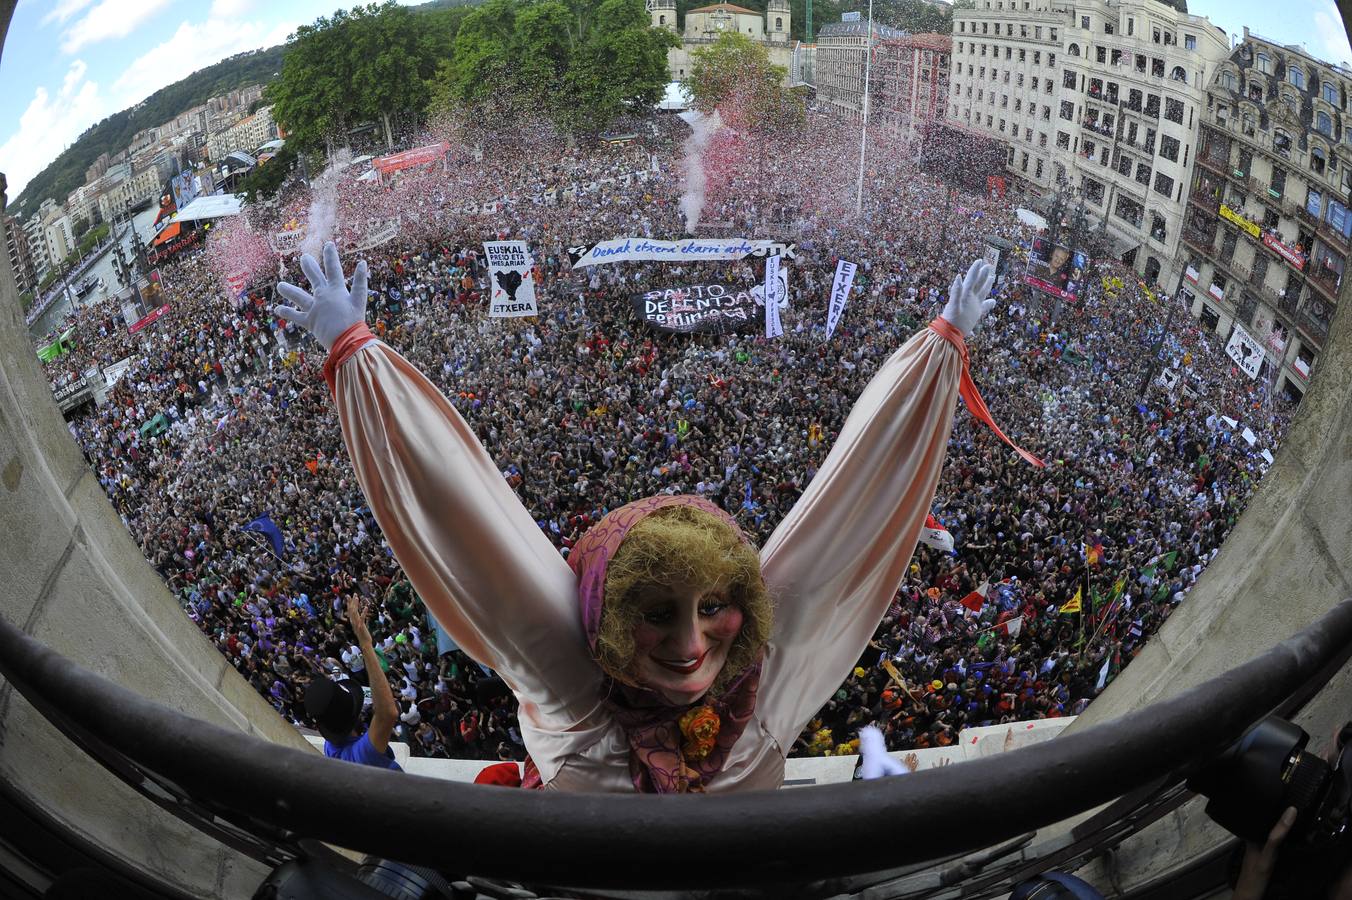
[935, 535]
[976, 599]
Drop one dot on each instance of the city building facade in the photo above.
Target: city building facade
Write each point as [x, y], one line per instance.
[56, 231]
[913, 78]
[704, 25]
[248, 135]
[840, 65]
[37, 243]
[1106, 97]
[20, 257]
[1268, 229]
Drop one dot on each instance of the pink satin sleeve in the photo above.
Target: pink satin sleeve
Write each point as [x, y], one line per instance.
[472, 551]
[835, 562]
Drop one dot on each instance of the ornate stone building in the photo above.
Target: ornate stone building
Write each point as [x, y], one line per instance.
[704, 25]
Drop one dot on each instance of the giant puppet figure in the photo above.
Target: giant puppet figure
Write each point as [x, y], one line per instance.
[666, 654]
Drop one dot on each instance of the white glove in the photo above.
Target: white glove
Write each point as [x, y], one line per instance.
[967, 301]
[331, 309]
[873, 752]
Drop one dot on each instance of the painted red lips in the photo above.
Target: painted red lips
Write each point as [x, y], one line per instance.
[688, 669]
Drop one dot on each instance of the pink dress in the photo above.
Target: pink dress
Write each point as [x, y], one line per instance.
[506, 596]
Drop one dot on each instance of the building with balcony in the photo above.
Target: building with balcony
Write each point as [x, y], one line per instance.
[248, 134]
[912, 83]
[704, 25]
[840, 65]
[20, 256]
[1267, 231]
[37, 242]
[1106, 96]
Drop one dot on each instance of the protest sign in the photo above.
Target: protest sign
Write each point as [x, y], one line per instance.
[695, 249]
[509, 275]
[840, 293]
[696, 307]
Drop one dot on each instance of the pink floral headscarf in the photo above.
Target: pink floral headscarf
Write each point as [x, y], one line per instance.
[652, 725]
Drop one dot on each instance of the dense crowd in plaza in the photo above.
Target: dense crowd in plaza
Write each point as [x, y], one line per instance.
[585, 408]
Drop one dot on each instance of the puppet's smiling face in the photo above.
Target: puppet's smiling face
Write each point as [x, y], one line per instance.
[683, 638]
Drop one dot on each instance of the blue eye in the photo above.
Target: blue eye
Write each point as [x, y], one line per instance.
[712, 609]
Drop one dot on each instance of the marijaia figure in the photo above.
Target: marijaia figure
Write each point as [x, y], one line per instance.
[666, 654]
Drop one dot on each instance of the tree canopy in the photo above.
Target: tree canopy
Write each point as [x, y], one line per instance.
[735, 76]
[579, 63]
[372, 62]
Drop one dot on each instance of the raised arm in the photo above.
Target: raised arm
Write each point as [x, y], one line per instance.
[468, 546]
[835, 562]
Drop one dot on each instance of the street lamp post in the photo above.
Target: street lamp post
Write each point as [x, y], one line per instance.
[863, 131]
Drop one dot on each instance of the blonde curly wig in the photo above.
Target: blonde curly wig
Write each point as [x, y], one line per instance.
[681, 545]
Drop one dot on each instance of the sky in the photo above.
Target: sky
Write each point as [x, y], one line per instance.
[67, 64]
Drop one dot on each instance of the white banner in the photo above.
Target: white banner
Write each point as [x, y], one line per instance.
[840, 293]
[695, 249]
[510, 280]
[773, 297]
[1169, 379]
[1245, 351]
[378, 234]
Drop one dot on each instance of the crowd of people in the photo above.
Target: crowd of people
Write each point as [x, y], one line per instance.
[222, 417]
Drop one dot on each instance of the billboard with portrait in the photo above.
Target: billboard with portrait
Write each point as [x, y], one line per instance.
[1055, 268]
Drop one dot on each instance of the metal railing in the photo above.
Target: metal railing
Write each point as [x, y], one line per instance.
[258, 795]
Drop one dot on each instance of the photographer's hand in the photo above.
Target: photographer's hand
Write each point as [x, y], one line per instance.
[1259, 861]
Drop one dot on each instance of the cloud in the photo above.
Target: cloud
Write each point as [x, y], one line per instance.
[192, 47]
[63, 10]
[230, 9]
[109, 19]
[49, 125]
[1328, 24]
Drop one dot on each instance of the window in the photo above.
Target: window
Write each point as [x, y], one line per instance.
[1157, 230]
[1155, 35]
[1281, 144]
[1318, 160]
[1128, 210]
[1277, 186]
[1296, 75]
[1142, 174]
[1074, 49]
[1068, 81]
[1023, 56]
[1164, 184]
[1169, 148]
[1093, 191]
[1100, 54]
[1173, 110]
[1124, 165]
[1062, 140]
[1084, 22]
[1131, 27]
[1038, 173]
[1265, 64]
[1156, 67]
[1179, 75]
[1246, 124]
[1134, 100]
[1152, 106]
[1002, 126]
[1023, 164]
[1330, 93]
[779, 24]
[1067, 110]
[1323, 123]
[1042, 140]
[1189, 42]
[1053, 34]
[1037, 57]
[1229, 81]
[1108, 28]
[1117, 57]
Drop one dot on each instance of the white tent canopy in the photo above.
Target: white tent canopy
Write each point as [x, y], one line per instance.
[675, 97]
[1028, 217]
[212, 206]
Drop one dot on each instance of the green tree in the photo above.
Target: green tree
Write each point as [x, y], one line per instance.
[264, 181]
[622, 64]
[735, 65]
[392, 58]
[312, 99]
[80, 227]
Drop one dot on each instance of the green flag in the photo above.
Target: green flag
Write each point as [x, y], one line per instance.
[1168, 560]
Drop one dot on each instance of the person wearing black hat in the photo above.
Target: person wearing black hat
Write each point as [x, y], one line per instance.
[335, 706]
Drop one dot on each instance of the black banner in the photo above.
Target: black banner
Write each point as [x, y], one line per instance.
[698, 307]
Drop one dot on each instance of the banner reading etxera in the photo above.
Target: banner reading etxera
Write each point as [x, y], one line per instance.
[697, 307]
[694, 249]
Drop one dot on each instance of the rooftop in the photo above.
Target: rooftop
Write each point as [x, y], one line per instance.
[726, 7]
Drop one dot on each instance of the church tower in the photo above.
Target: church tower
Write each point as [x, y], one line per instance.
[663, 13]
[777, 21]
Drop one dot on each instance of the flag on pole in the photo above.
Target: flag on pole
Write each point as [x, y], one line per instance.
[840, 293]
[1011, 627]
[1168, 560]
[773, 328]
[265, 526]
[1074, 605]
[1103, 673]
[976, 599]
[935, 535]
[1093, 553]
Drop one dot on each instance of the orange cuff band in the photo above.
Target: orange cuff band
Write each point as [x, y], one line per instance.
[348, 343]
[967, 387]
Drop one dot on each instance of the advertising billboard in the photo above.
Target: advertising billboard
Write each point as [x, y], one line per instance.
[1055, 268]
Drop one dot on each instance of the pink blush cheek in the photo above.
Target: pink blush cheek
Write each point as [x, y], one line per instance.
[726, 625]
[646, 637]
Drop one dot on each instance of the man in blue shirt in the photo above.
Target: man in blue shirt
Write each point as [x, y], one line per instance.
[335, 706]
